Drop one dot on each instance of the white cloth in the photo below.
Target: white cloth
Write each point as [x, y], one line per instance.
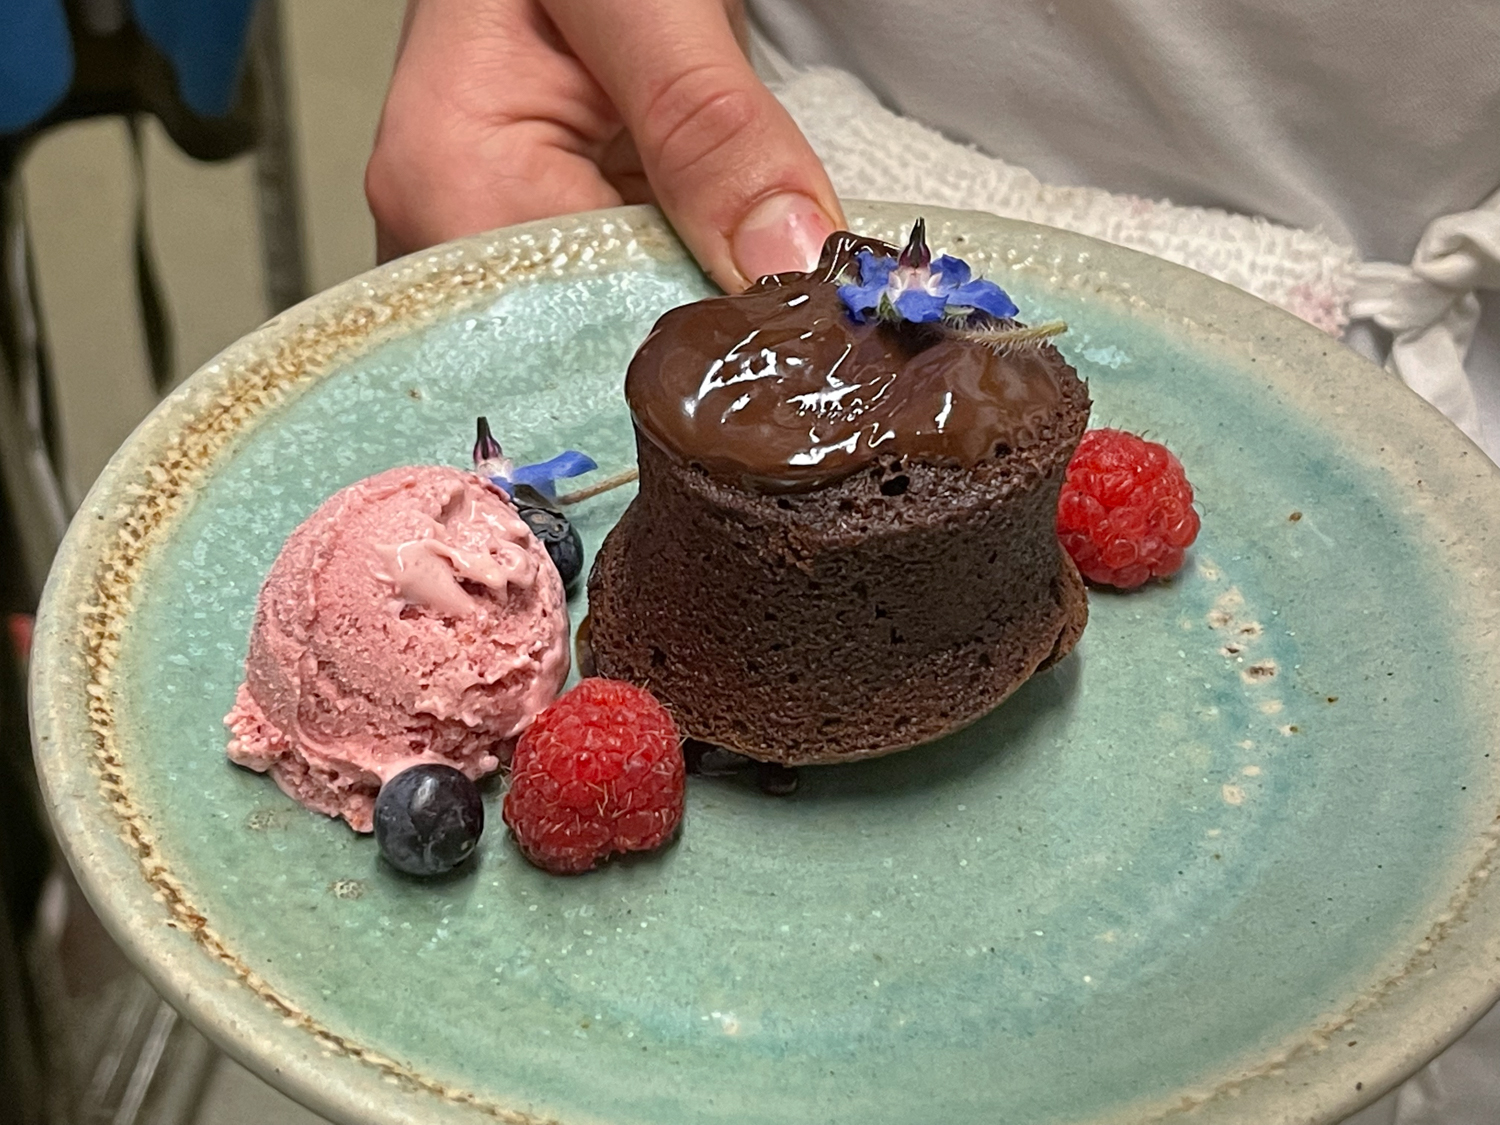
[1431, 307]
[1377, 124]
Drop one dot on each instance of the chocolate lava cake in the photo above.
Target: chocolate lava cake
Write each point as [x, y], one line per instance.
[844, 542]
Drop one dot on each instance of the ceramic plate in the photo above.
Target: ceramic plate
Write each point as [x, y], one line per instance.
[1227, 863]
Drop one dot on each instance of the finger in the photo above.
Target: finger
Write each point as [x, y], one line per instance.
[621, 165]
[488, 121]
[726, 161]
[739, 24]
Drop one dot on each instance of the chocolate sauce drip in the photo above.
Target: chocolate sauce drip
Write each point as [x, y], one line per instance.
[779, 390]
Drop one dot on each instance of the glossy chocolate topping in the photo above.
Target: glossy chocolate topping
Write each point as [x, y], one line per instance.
[779, 390]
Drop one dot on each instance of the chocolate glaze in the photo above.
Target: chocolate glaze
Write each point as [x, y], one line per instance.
[779, 390]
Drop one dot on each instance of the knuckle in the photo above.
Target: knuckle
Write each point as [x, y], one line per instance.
[387, 181]
[379, 195]
[695, 114]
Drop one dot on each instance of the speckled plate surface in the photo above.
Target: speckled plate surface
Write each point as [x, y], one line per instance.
[1227, 863]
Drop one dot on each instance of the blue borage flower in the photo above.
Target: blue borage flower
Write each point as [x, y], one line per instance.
[918, 288]
[506, 475]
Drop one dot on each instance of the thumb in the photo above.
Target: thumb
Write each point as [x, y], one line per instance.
[725, 160]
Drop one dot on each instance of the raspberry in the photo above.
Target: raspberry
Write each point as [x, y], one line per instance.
[598, 772]
[1126, 510]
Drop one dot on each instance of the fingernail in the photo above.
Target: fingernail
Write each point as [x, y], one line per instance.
[784, 233]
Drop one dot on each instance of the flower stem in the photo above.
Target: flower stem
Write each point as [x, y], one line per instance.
[998, 339]
[599, 487]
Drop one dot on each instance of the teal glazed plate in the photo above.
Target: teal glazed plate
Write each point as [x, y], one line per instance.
[1227, 863]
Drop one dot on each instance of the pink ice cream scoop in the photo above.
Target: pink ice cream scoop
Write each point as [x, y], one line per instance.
[413, 618]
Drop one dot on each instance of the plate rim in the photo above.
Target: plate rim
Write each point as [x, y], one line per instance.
[297, 348]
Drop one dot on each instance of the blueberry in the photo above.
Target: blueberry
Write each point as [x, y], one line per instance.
[428, 819]
[707, 760]
[776, 780]
[560, 538]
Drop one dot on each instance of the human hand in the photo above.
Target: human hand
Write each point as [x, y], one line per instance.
[501, 111]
